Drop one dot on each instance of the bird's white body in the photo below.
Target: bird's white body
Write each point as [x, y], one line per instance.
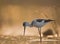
[38, 24]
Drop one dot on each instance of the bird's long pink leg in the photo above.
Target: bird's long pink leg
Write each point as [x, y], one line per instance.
[39, 30]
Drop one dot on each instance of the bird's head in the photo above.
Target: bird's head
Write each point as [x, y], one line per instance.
[26, 24]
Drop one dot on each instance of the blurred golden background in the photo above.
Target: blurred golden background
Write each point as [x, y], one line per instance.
[14, 12]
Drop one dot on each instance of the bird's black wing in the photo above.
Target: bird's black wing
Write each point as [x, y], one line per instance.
[39, 20]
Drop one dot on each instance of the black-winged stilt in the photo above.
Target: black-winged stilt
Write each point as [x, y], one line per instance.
[39, 23]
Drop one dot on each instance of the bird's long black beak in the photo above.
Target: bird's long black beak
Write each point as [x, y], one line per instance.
[24, 30]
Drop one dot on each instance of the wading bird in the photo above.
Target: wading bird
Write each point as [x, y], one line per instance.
[39, 23]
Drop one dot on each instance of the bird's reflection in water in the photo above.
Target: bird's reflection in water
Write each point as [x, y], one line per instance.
[46, 42]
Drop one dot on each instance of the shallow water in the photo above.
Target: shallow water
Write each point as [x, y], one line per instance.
[25, 40]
